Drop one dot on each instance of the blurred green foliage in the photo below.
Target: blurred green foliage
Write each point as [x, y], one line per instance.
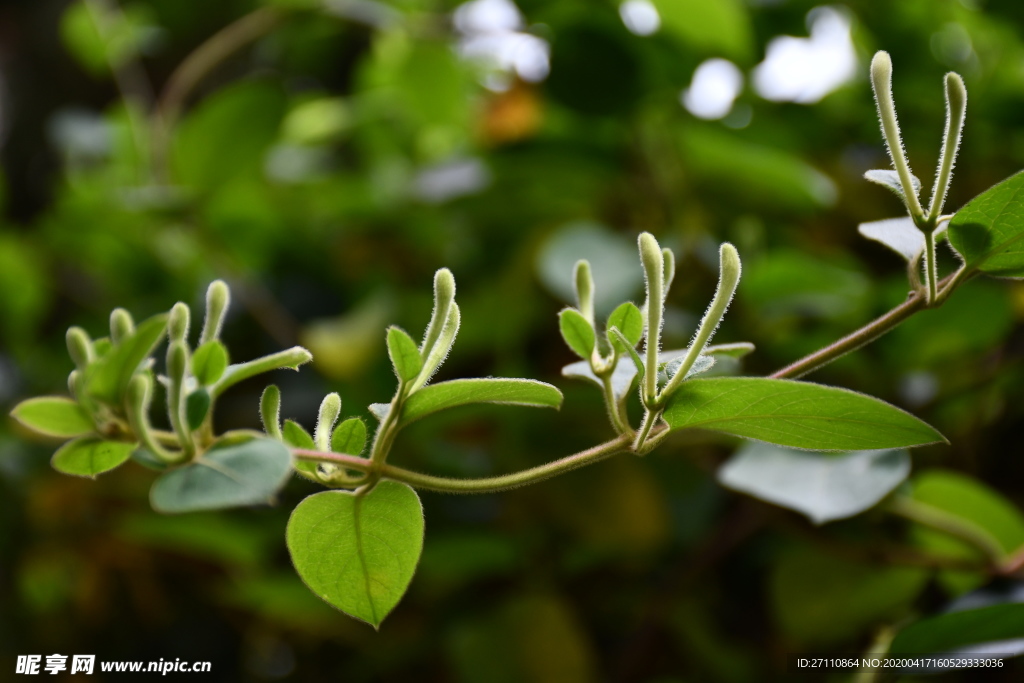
[338, 157]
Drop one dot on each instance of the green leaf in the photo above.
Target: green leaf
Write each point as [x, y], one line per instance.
[989, 231]
[625, 373]
[91, 456]
[713, 28]
[296, 436]
[349, 437]
[358, 552]
[629, 321]
[823, 487]
[197, 405]
[577, 332]
[797, 414]
[823, 599]
[404, 353]
[209, 362]
[107, 379]
[53, 416]
[973, 503]
[959, 631]
[246, 473]
[148, 460]
[460, 392]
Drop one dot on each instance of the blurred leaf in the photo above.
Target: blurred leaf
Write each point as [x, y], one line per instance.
[460, 558]
[53, 416]
[345, 345]
[823, 600]
[628, 319]
[227, 541]
[787, 282]
[249, 473]
[100, 37]
[358, 552]
[296, 436]
[713, 28]
[976, 317]
[91, 456]
[404, 353]
[989, 231]
[755, 174]
[197, 405]
[227, 135]
[974, 631]
[317, 121]
[613, 260]
[974, 503]
[531, 638]
[797, 414]
[577, 332]
[25, 290]
[823, 487]
[349, 437]
[209, 362]
[107, 378]
[460, 392]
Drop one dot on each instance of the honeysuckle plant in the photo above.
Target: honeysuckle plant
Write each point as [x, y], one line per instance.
[357, 543]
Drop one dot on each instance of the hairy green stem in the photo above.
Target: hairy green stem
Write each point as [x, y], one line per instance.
[881, 83]
[956, 110]
[940, 520]
[616, 412]
[289, 358]
[930, 266]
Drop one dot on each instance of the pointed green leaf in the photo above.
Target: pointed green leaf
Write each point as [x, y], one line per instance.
[459, 392]
[247, 473]
[823, 487]
[209, 362]
[296, 436]
[107, 379]
[197, 405]
[404, 353]
[797, 414]
[979, 630]
[577, 332]
[349, 437]
[53, 416]
[629, 321]
[358, 552]
[989, 231]
[91, 456]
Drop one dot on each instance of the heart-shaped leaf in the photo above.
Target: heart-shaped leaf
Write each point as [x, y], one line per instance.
[246, 473]
[91, 456]
[823, 487]
[796, 414]
[53, 416]
[358, 551]
[989, 231]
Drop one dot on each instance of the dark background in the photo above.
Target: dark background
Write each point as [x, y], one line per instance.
[327, 168]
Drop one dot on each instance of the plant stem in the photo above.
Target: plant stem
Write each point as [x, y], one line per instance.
[615, 408]
[929, 264]
[873, 330]
[199, 63]
[485, 485]
[879, 647]
[954, 526]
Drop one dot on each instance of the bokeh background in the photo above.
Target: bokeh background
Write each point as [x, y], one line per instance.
[326, 158]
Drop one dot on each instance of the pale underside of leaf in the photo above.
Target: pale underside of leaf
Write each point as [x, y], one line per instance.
[891, 179]
[899, 234]
[625, 372]
[822, 487]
